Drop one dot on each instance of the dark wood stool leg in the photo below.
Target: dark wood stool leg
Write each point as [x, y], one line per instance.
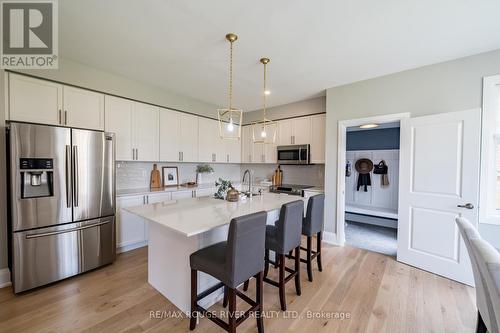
[481, 327]
[194, 294]
[259, 286]
[226, 299]
[232, 311]
[297, 269]
[309, 260]
[245, 285]
[281, 281]
[276, 260]
[266, 263]
[318, 249]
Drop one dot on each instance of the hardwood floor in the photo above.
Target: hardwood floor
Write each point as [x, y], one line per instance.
[376, 292]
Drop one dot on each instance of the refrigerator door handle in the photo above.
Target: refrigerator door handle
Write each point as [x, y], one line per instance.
[68, 176]
[51, 233]
[75, 175]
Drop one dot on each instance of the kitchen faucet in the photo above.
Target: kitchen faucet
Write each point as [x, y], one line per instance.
[249, 193]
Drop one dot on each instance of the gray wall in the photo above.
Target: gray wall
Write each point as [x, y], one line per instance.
[302, 108]
[445, 87]
[378, 139]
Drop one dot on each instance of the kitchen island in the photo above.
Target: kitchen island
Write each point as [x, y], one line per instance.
[178, 228]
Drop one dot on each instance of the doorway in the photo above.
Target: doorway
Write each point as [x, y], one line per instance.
[371, 187]
[369, 219]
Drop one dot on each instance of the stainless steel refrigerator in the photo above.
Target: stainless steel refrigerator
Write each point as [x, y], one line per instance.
[61, 202]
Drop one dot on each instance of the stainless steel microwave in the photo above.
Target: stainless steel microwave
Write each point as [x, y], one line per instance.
[294, 154]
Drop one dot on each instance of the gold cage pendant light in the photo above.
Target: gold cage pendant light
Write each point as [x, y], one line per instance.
[264, 131]
[230, 119]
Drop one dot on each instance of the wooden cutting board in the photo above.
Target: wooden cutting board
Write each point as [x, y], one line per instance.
[155, 177]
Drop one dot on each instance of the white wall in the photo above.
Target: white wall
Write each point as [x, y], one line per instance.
[71, 72]
[445, 87]
[292, 174]
[137, 174]
[301, 108]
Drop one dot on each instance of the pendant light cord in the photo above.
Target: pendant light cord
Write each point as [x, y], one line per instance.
[231, 77]
[265, 97]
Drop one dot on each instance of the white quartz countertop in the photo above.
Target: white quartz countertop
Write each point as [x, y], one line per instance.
[148, 190]
[193, 216]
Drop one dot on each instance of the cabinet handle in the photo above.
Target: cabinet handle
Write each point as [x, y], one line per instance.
[180, 157]
[60, 117]
[227, 157]
[65, 117]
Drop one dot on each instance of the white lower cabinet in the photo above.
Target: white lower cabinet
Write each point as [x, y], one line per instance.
[130, 229]
[205, 192]
[182, 194]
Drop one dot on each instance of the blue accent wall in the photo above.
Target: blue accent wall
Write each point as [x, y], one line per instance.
[378, 139]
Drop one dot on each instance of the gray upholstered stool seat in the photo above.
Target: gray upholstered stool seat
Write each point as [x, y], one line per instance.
[312, 225]
[211, 260]
[232, 262]
[285, 236]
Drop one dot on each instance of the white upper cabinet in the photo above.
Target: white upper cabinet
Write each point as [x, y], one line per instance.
[318, 124]
[209, 141]
[301, 130]
[178, 136]
[119, 121]
[170, 135]
[145, 132]
[285, 129]
[230, 151]
[295, 131]
[246, 144]
[35, 101]
[83, 108]
[256, 152]
[44, 102]
[136, 129]
[189, 137]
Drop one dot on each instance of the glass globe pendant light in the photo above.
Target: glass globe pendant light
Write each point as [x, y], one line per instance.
[264, 131]
[230, 118]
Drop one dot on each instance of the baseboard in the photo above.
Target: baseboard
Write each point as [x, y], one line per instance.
[130, 247]
[330, 238]
[4, 277]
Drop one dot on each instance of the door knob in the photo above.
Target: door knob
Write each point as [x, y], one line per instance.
[467, 205]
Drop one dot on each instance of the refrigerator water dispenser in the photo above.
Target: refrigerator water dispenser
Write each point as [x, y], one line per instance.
[36, 177]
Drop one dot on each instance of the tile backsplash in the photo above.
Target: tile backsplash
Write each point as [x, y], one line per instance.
[292, 174]
[136, 174]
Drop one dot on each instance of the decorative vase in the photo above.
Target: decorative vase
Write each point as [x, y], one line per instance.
[198, 178]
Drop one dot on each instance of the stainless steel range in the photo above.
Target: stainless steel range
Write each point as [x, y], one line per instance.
[292, 189]
[61, 202]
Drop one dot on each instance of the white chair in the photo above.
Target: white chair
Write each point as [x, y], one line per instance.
[483, 302]
[488, 260]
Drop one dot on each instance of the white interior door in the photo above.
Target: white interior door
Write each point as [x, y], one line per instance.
[439, 172]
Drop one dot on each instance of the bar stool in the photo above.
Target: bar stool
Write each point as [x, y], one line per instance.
[281, 238]
[232, 262]
[311, 226]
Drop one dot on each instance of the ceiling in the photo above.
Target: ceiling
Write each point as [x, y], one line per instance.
[313, 45]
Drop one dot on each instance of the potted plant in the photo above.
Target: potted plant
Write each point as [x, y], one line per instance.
[202, 168]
